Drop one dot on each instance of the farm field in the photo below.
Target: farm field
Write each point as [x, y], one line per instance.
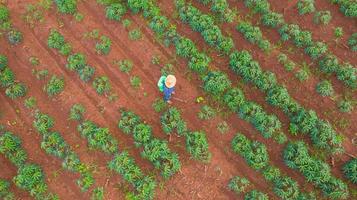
[264, 105]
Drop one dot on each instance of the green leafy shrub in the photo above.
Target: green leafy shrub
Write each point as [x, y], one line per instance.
[306, 6]
[258, 6]
[197, 145]
[76, 112]
[345, 106]
[86, 73]
[125, 165]
[55, 39]
[302, 75]
[135, 34]
[159, 105]
[5, 192]
[352, 42]
[206, 113]
[97, 194]
[103, 47]
[76, 62]
[322, 17]
[316, 50]
[234, 98]
[10, 146]
[43, 122]
[16, 90]
[4, 14]
[3, 62]
[296, 156]
[102, 85]
[350, 170]
[348, 8]
[115, 11]
[14, 37]
[289, 65]
[67, 6]
[125, 65]
[253, 152]
[98, 138]
[255, 194]
[171, 121]
[135, 82]
[324, 88]
[272, 19]
[348, 74]
[239, 184]
[216, 83]
[55, 85]
[253, 35]
[7, 77]
[31, 178]
[338, 32]
[66, 49]
[30, 102]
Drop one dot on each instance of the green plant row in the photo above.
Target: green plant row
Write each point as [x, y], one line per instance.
[30, 177]
[347, 7]
[14, 89]
[77, 62]
[241, 185]
[205, 25]
[221, 7]
[253, 35]
[101, 139]
[296, 156]
[242, 63]
[14, 36]
[5, 192]
[155, 150]
[54, 144]
[328, 62]
[216, 83]
[256, 155]
[196, 141]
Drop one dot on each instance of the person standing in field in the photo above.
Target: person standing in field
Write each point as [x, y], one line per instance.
[166, 85]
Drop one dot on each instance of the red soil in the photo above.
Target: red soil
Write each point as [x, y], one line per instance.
[196, 180]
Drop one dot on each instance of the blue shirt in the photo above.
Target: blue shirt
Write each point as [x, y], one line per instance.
[168, 92]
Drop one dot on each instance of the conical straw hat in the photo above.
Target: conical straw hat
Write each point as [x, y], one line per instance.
[170, 81]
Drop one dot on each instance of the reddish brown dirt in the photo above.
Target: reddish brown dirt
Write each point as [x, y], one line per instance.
[196, 180]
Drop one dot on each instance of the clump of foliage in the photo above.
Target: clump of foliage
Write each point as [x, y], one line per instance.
[30, 102]
[97, 194]
[255, 194]
[345, 106]
[216, 83]
[306, 6]
[255, 153]
[102, 85]
[289, 65]
[253, 35]
[104, 45]
[322, 17]
[338, 32]
[159, 105]
[352, 42]
[348, 8]
[206, 112]
[54, 86]
[76, 112]
[135, 82]
[296, 156]
[155, 150]
[350, 170]
[10, 146]
[66, 6]
[302, 75]
[239, 184]
[16, 90]
[5, 192]
[135, 34]
[272, 19]
[14, 37]
[125, 65]
[115, 11]
[324, 88]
